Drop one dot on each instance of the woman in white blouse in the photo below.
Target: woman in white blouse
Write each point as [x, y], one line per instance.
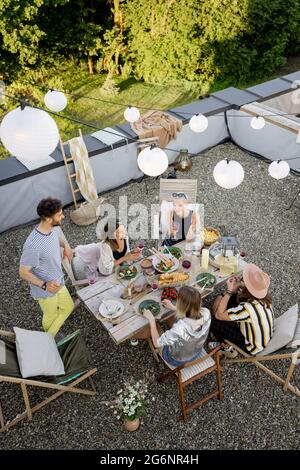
[104, 256]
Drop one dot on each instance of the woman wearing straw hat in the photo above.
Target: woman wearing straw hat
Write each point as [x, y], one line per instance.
[244, 314]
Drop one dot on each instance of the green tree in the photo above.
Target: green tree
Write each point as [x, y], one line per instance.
[162, 39]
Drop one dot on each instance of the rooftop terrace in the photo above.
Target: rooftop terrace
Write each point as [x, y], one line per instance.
[255, 413]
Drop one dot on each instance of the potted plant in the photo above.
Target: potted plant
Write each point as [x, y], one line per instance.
[130, 404]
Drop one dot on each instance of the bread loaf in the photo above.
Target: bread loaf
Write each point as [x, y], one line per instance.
[170, 278]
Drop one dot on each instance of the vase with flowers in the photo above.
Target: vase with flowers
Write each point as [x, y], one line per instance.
[130, 404]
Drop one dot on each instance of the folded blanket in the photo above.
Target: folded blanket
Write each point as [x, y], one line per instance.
[157, 124]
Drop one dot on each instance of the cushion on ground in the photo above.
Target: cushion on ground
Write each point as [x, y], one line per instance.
[37, 354]
[189, 372]
[284, 330]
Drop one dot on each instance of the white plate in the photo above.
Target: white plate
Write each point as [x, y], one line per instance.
[115, 306]
[156, 261]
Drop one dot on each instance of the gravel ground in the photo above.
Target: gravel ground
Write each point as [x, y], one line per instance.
[254, 414]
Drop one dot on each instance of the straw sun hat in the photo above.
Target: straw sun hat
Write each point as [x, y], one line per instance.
[256, 281]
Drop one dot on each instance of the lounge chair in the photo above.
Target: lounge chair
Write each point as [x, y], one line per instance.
[282, 325]
[77, 366]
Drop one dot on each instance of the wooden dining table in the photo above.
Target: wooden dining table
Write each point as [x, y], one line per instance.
[131, 323]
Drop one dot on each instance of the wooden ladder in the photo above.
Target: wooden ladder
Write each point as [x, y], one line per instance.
[71, 175]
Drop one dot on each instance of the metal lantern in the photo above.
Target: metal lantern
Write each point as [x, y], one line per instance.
[229, 246]
[183, 161]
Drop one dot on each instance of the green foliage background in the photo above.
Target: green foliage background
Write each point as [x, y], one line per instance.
[155, 40]
[156, 53]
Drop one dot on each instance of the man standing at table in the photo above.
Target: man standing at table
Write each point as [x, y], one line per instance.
[40, 266]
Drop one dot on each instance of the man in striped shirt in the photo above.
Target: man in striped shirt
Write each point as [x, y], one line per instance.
[245, 318]
[40, 266]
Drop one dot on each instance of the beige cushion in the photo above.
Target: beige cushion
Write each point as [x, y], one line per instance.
[284, 329]
[189, 372]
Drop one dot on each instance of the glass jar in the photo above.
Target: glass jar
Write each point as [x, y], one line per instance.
[183, 161]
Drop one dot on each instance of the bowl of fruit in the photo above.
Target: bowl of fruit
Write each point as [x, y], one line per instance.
[169, 293]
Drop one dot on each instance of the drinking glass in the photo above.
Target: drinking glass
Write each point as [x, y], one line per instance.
[154, 286]
[91, 276]
[140, 246]
[197, 248]
[176, 227]
[188, 248]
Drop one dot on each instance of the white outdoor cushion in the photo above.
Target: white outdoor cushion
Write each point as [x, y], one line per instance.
[189, 372]
[37, 354]
[284, 330]
[295, 343]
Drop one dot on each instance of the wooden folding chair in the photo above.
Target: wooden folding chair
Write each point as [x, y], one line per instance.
[169, 186]
[76, 373]
[190, 372]
[293, 355]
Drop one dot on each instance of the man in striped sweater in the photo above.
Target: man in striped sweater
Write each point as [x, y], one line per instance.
[40, 266]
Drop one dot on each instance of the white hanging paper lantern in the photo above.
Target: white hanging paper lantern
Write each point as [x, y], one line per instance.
[152, 161]
[279, 169]
[198, 123]
[257, 122]
[131, 114]
[29, 133]
[55, 100]
[295, 96]
[228, 174]
[295, 84]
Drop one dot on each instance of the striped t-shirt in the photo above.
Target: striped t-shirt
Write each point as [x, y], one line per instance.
[256, 322]
[42, 252]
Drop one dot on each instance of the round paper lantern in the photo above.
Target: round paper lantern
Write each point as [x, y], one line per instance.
[131, 114]
[29, 133]
[55, 100]
[257, 122]
[279, 169]
[295, 96]
[152, 161]
[295, 84]
[198, 123]
[228, 174]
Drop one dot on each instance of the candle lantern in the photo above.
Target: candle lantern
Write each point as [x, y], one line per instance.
[228, 259]
[229, 246]
[183, 161]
